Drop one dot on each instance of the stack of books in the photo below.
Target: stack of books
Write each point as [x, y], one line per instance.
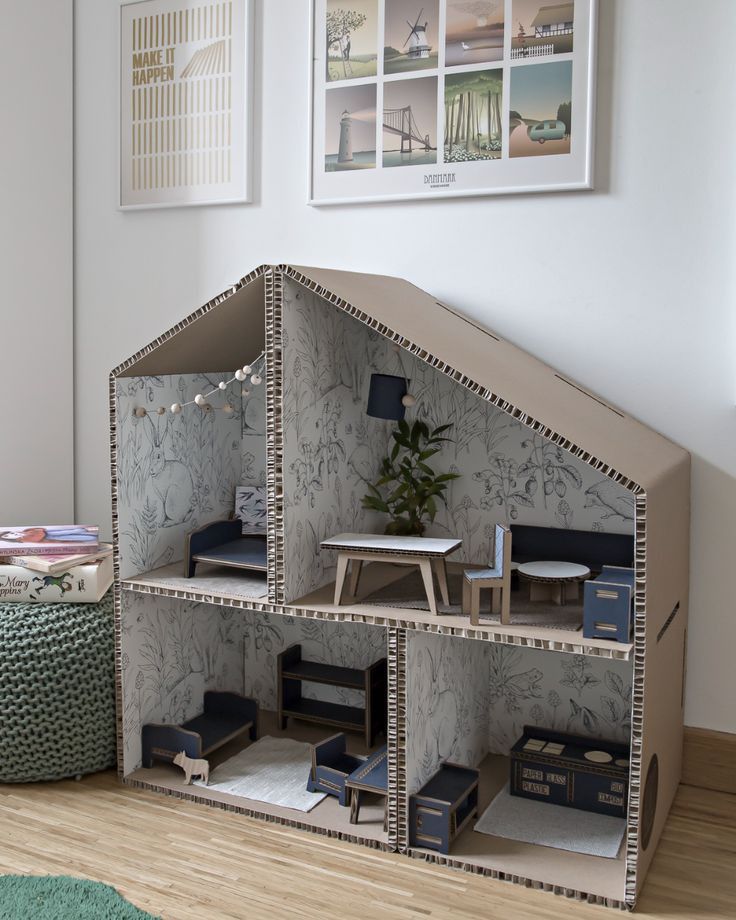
[54, 564]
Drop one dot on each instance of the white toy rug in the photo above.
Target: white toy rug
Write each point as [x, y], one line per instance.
[517, 818]
[273, 770]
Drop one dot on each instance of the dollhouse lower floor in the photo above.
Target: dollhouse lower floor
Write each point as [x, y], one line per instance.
[447, 699]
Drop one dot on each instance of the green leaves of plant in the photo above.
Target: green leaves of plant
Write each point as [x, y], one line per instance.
[414, 485]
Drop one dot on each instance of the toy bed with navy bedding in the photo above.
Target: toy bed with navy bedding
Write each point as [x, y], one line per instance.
[223, 543]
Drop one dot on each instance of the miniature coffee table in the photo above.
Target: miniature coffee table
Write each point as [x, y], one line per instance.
[372, 776]
[557, 582]
[429, 553]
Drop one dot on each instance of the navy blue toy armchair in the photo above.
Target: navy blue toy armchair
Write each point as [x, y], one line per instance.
[331, 766]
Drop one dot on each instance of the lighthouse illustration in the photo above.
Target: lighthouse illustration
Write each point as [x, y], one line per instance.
[345, 153]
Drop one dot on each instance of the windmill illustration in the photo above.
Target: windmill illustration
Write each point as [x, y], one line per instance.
[417, 38]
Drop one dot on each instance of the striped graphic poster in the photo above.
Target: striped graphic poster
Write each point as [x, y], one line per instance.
[185, 102]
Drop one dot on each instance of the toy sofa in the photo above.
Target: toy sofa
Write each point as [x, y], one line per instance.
[585, 547]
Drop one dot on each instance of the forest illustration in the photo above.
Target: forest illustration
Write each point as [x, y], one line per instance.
[473, 115]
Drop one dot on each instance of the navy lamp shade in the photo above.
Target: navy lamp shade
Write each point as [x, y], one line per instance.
[385, 397]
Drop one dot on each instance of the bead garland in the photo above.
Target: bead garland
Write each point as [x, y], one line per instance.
[241, 375]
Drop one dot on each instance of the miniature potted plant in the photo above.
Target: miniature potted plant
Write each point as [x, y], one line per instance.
[408, 489]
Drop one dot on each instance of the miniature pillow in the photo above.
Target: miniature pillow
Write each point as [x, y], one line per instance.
[250, 507]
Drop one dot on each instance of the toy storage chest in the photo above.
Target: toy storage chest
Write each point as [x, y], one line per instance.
[554, 767]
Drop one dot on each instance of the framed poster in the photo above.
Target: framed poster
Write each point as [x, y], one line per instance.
[442, 98]
[185, 102]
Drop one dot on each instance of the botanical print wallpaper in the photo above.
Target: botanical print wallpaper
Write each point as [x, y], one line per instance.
[452, 715]
[508, 473]
[178, 472]
[330, 444]
[447, 704]
[174, 650]
[253, 430]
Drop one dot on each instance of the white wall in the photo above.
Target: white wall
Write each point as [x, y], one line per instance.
[642, 311]
[36, 411]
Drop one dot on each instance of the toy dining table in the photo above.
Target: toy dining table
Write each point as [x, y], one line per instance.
[428, 553]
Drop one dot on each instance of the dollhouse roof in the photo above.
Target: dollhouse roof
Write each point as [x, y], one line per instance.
[230, 331]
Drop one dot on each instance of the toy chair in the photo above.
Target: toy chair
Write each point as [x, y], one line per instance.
[498, 579]
[331, 766]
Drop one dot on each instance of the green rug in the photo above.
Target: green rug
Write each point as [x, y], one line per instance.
[48, 897]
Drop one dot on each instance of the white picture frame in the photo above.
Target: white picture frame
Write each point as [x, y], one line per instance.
[523, 164]
[186, 103]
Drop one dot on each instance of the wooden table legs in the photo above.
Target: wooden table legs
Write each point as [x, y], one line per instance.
[355, 808]
[356, 566]
[440, 570]
[425, 567]
[429, 566]
[354, 805]
[342, 569]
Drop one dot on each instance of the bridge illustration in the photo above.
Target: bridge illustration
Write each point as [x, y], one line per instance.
[401, 122]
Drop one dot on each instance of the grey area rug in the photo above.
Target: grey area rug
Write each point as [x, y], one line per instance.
[408, 592]
[517, 818]
[273, 770]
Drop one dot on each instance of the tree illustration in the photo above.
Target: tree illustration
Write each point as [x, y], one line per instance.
[473, 112]
[564, 113]
[340, 23]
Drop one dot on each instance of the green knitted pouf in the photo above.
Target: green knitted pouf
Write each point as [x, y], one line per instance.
[57, 690]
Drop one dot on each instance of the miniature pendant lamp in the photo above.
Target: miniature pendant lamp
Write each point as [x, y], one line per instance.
[385, 397]
[389, 396]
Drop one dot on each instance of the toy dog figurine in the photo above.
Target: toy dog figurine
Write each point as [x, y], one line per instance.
[191, 767]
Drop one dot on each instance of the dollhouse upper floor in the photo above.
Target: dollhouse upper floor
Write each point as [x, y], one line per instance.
[526, 447]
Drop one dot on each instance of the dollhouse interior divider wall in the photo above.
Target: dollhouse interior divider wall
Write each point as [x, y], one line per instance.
[528, 447]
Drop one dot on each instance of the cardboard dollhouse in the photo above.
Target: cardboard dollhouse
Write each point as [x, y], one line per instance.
[528, 446]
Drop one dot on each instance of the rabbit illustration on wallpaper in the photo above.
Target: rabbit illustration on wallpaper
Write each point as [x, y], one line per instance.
[170, 480]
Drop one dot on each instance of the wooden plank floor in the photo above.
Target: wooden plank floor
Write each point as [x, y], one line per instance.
[186, 861]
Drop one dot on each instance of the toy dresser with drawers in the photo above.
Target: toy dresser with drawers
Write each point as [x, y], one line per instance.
[608, 606]
[569, 770]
